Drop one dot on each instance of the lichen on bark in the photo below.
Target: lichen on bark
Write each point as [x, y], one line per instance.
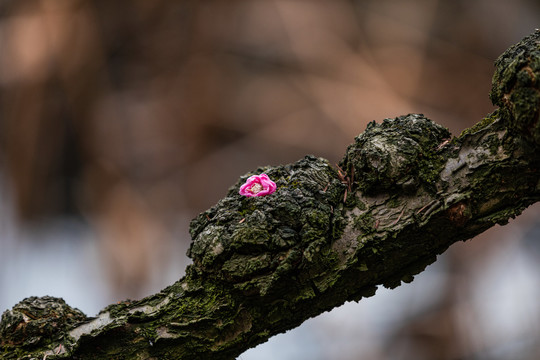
[399, 153]
[37, 322]
[516, 86]
[252, 242]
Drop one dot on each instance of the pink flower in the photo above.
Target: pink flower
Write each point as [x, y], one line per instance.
[258, 185]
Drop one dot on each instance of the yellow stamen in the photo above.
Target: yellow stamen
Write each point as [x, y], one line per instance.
[256, 188]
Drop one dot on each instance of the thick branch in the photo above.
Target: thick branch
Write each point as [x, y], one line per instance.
[403, 193]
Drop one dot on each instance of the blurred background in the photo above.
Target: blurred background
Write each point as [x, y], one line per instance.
[122, 120]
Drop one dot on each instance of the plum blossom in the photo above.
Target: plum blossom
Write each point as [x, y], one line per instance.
[258, 185]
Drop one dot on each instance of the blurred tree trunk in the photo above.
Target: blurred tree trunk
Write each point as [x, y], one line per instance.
[402, 194]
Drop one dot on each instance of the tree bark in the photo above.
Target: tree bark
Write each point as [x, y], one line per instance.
[402, 194]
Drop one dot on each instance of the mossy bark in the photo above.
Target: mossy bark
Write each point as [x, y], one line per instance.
[402, 194]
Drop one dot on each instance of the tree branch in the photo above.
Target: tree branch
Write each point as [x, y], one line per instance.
[402, 194]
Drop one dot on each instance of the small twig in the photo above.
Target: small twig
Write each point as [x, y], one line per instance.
[443, 144]
[399, 217]
[345, 180]
[422, 209]
[425, 206]
[341, 174]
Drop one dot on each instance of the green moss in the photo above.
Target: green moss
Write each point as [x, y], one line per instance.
[525, 105]
[482, 124]
[313, 250]
[509, 68]
[399, 153]
[295, 184]
[394, 202]
[200, 307]
[338, 225]
[248, 238]
[304, 294]
[361, 205]
[242, 266]
[493, 144]
[118, 308]
[317, 218]
[364, 223]
[247, 208]
[516, 86]
[325, 282]
[38, 323]
[429, 168]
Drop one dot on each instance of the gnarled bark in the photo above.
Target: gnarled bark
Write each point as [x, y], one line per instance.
[402, 194]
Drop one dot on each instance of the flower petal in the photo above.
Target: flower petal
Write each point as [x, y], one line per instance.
[268, 186]
[267, 183]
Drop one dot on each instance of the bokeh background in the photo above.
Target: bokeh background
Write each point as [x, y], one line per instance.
[121, 120]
